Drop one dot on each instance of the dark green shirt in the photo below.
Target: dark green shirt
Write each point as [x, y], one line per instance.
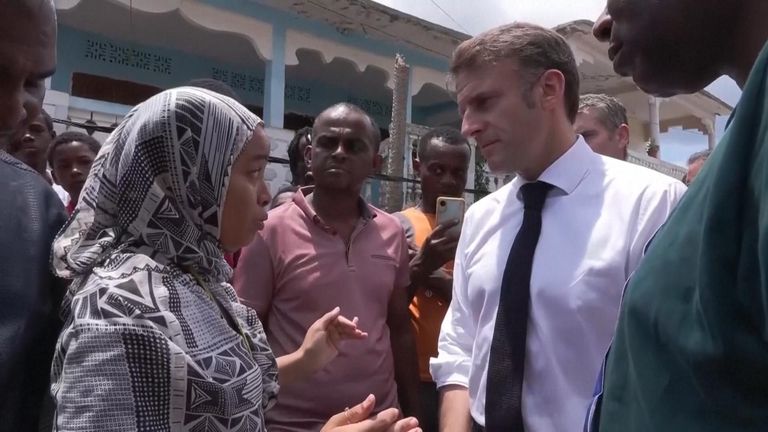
[691, 347]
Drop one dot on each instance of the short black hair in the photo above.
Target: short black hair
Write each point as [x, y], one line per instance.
[48, 122]
[215, 86]
[448, 135]
[295, 157]
[70, 137]
[375, 131]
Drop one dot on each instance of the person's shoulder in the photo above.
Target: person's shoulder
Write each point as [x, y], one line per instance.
[124, 279]
[628, 181]
[386, 223]
[490, 203]
[30, 197]
[407, 219]
[284, 226]
[15, 172]
[383, 218]
[629, 173]
[409, 211]
[9, 161]
[283, 216]
[61, 193]
[289, 207]
[407, 215]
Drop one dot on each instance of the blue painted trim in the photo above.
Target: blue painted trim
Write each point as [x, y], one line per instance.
[305, 97]
[274, 96]
[438, 108]
[73, 46]
[293, 21]
[110, 108]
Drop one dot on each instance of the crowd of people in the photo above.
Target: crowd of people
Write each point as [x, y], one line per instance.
[153, 283]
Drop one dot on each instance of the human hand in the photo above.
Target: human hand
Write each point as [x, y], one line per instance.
[438, 248]
[412, 251]
[358, 419]
[322, 341]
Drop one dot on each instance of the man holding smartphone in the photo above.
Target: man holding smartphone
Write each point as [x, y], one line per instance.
[441, 161]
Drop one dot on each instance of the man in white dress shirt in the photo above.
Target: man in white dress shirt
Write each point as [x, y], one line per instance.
[517, 88]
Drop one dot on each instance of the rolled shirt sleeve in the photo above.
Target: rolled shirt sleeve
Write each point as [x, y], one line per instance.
[454, 347]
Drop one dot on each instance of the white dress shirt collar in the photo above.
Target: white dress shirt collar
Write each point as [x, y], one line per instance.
[568, 171]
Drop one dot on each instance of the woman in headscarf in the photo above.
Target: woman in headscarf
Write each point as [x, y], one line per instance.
[154, 337]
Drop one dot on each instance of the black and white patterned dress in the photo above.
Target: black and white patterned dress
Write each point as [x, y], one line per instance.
[154, 337]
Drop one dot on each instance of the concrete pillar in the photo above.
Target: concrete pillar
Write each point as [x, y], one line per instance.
[709, 125]
[654, 125]
[274, 84]
[409, 98]
[471, 174]
[393, 191]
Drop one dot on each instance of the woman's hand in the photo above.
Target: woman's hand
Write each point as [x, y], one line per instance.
[357, 419]
[322, 341]
[320, 346]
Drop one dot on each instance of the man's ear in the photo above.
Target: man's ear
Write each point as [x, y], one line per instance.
[622, 133]
[416, 163]
[552, 89]
[308, 156]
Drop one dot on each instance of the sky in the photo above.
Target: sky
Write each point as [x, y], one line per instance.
[676, 145]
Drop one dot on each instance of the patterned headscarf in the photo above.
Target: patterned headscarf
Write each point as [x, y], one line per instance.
[158, 185]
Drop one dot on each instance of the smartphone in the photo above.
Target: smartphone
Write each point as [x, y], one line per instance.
[449, 209]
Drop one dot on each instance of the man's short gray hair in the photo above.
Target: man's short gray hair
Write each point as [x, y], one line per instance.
[700, 155]
[610, 112]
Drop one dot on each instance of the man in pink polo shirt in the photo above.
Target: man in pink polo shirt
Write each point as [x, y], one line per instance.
[329, 248]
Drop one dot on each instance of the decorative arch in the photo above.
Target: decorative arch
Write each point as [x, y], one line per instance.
[422, 76]
[329, 51]
[258, 33]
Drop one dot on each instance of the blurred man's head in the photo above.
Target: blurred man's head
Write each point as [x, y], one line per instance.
[27, 58]
[602, 121]
[296, 160]
[442, 163]
[671, 47]
[518, 91]
[695, 163]
[32, 146]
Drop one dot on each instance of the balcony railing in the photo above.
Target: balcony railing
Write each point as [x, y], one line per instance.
[667, 168]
